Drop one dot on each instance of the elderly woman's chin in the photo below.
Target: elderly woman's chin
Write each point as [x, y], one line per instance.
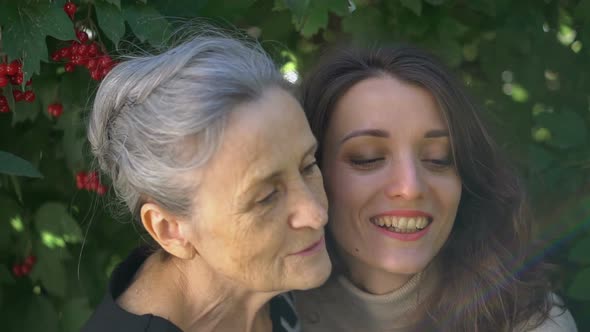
[309, 271]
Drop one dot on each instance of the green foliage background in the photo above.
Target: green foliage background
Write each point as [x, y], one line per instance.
[527, 61]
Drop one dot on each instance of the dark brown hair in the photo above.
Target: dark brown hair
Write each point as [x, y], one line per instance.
[490, 282]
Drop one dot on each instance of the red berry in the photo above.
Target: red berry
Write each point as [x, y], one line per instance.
[3, 81]
[29, 96]
[80, 180]
[96, 74]
[70, 9]
[65, 53]
[93, 49]
[91, 64]
[83, 50]
[55, 56]
[3, 68]
[104, 61]
[3, 101]
[55, 109]
[31, 260]
[17, 79]
[101, 189]
[26, 269]
[4, 109]
[74, 47]
[29, 82]
[17, 270]
[82, 36]
[69, 67]
[11, 69]
[18, 95]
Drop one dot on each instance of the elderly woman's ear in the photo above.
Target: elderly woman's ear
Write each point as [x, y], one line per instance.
[168, 230]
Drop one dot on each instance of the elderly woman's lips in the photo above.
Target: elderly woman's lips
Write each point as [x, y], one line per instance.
[315, 247]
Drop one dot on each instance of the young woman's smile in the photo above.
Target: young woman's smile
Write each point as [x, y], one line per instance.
[390, 178]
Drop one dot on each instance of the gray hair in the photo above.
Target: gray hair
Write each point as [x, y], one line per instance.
[156, 117]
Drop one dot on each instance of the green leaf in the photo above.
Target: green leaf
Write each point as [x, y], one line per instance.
[435, 2]
[50, 271]
[147, 23]
[539, 158]
[13, 165]
[364, 23]
[114, 2]
[53, 218]
[580, 253]
[5, 276]
[41, 316]
[74, 314]
[72, 140]
[483, 6]
[46, 90]
[298, 8]
[582, 10]
[579, 288]
[24, 111]
[24, 33]
[318, 14]
[11, 212]
[413, 5]
[315, 21]
[110, 20]
[567, 128]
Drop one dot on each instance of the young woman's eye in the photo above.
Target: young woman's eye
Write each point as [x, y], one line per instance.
[310, 168]
[366, 163]
[269, 198]
[440, 163]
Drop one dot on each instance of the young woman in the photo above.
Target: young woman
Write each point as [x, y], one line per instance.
[427, 222]
[213, 155]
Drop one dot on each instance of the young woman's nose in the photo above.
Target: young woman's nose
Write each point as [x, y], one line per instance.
[405, 179]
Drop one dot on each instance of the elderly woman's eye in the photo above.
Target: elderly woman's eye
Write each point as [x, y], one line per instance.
[310, 168]
[268, 198]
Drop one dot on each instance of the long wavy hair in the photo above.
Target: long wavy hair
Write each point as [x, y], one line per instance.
[491, 281]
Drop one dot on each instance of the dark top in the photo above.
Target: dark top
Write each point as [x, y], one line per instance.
[109, 316]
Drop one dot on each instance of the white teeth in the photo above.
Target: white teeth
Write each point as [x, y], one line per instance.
[411, 223]
[402, 224]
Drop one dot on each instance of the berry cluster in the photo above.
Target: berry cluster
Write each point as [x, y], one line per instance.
[24, 268]
[91, 182]
[55, 110]
[83, 52]
[13, 73]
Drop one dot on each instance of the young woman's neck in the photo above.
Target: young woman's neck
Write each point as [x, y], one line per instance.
[195, 298]
[372, 279]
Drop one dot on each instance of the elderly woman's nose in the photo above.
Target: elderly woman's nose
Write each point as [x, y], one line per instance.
[405, 179]
[309, 209]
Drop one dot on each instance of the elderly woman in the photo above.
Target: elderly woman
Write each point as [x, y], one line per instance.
[427, 222]
[209, 150]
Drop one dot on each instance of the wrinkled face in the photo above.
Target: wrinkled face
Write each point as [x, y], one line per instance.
[391, 182]
[261, 209]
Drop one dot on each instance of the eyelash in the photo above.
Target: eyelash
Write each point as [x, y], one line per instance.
[367, 164]
[309, 169]
[266, 200]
